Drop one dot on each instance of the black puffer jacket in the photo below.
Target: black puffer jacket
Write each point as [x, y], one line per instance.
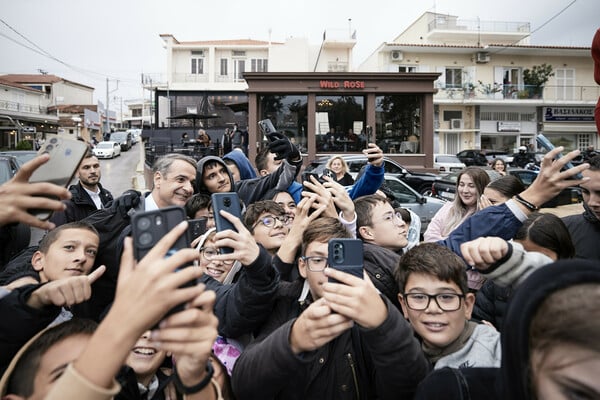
[381, 363]
[380, 263]
[585, 233]
[491, 303]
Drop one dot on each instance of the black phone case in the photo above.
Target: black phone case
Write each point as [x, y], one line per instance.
[230, 202]
[346, 254]
[196, 228]
[148, 227]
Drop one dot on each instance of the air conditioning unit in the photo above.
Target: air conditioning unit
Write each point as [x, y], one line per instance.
[482, 57]
[396, 55]
[456, 124]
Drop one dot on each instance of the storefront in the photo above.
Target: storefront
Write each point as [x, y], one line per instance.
[571, 127]
[325, 113]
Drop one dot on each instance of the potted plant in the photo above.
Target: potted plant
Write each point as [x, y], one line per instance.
[536, 77]
[469, 89]
[490, 89]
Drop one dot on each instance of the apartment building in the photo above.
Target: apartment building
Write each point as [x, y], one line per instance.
[486, 97]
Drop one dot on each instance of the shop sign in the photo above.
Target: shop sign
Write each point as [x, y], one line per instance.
[572, 114]
[348, 84]
[504, 126]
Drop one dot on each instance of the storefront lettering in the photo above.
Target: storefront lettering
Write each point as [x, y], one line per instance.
[342, 84]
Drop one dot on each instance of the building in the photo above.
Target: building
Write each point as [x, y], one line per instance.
[45, 103]
[486, 97]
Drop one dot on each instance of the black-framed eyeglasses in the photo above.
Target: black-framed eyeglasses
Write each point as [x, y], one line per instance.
[445, 301]
[270, 221]
[316, 263]
[210, 252]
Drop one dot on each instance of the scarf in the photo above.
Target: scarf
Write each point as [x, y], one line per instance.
[433, 354]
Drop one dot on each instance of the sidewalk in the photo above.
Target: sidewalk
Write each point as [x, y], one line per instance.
[563, 211]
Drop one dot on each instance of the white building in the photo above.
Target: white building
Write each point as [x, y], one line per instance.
[484, 100]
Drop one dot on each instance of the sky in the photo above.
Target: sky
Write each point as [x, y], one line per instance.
[88, 42]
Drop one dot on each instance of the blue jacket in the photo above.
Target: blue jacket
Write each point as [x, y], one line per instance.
[239, 158]
[368, 182]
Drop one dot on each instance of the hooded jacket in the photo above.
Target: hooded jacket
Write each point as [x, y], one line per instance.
[239, 158]
[585, 233]
[511, 380]
[251, 190]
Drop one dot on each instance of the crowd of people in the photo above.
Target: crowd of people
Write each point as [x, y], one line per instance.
[498, 301]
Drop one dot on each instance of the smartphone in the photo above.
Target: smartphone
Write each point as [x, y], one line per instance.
[346, 255]
[65, 156]
[548, 146]
[266, 126]
[329, 173]
[230, 202]
[148, 227]
[196, 228]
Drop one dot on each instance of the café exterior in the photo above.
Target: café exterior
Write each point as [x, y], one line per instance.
[338, 113]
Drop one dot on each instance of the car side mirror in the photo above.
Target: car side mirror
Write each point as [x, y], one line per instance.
[404, 171]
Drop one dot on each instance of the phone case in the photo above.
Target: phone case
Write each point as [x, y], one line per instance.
[346, 254]
[197, 227]
[548, 146]
[65, 156]
[230, 202]
[148, 227]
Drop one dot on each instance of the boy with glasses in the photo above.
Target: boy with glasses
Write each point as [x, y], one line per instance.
[330, 340]
[269, 224]
[435, 299]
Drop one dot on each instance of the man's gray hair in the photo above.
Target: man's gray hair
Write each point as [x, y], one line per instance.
[163, 163]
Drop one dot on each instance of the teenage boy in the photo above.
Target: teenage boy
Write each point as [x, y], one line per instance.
[70, 362]
[435, 298]
[269, 224]
[330, 340]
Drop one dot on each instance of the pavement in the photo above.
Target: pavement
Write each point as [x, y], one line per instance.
[563, 211]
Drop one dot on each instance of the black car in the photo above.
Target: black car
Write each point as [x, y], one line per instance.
[472, 157]
[445, 187]
[419, 181]
[22, 156]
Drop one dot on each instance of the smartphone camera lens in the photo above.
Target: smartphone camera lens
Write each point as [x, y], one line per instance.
[53, 140]
[143, 223]
[49, 148]
[145, 238]
[227, 202]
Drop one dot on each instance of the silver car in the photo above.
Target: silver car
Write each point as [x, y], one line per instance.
[424, 206]
[107, 150]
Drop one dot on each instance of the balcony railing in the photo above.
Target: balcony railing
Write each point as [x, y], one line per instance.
[193, 78]
[522, 92]
[22, 107]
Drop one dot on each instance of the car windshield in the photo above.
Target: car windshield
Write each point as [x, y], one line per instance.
[448, 159]
[105, 145]
[5, 171]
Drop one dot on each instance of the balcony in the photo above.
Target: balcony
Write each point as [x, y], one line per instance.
[449, 28]
[190, 78]
[22, 108]
[501, 92]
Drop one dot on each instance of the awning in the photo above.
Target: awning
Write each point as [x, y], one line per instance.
[557, 127]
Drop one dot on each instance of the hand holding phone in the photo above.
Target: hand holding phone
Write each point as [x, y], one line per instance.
[346, 254]
[65, 157]
[230, 202]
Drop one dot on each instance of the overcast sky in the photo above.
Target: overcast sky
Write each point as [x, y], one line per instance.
[120, 38]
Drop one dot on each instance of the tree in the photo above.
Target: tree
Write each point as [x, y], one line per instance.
[536, 77]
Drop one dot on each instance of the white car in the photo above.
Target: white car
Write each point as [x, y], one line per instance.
[107, 150]
[446, 163]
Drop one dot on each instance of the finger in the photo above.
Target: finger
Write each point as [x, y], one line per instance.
[342, 277]
[127, 260]
[97, 273]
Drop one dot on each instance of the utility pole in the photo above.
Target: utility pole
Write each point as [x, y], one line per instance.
[106, 112]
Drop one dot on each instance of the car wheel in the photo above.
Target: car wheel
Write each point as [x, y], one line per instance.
[425, 190]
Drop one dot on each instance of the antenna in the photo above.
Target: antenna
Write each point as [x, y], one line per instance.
[43, 72]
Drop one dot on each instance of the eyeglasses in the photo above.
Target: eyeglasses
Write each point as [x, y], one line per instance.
[210, 252]
[316, 263]
[392, 217]
[270, 221]
[445, 301]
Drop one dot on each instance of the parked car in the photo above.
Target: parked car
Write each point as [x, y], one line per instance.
[447, 163]
[123, 138]
[136, 135]
[491, 155]
[22, 156]
[445, 187]
[107, 150]
[472, 157]
[419, 181]
[8, 167]
[424, 206]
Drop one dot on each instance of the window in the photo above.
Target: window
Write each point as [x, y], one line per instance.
[223, 70]
[565, 81]
[398, 123]
[239, 67]
[198, 66]
[454, 78]
[406, 68]
[258, 65]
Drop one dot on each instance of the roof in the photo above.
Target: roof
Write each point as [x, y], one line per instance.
[489, 47]
[226, 42]
[17, 85]
[38, 79]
